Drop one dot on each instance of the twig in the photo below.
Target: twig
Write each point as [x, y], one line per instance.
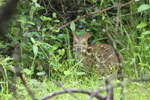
[50, 95]
[141, 79]
[122, 93]
[59, 84]
[110, 95]
[118, 17]
[93, 94]
[120, 59]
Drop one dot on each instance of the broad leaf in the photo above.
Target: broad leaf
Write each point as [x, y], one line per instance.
[143, 7]
[141, 25]
[67, 72]
[72, 26]
[44, 18]
[32, 39]
[35, 49]
[54, 15]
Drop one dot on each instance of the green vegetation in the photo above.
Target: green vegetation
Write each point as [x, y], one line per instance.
[37, 35]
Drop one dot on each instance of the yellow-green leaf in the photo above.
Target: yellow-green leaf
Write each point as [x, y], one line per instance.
[35, 49]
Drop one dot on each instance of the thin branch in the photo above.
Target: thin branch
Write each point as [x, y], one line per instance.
[93, 94]
[110, 94]
[59, 84]
[141, 79]
[120, 59]
[118, 17]
[50, 95]
[122, 93]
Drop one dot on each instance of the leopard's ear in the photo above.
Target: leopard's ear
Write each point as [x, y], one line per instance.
[74, 35]
[86, 36]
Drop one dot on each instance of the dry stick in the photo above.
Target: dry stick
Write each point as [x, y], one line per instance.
[93, 94]
[50, 95]
[109, 90]
[59, 84]
[114, 43]
[27, 87]
[62, 6]
[117, 18]
[117, 51]
[141, 79]
[95, 12]
[99, 91]
[110, 95]
[122, 93]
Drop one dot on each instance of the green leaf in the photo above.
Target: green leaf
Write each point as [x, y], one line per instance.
[143, 7]
[56, 45]
[72, 26]
[83, 20]
[67, 72]
[141, 25]
[35, 49]
[62, 36]
[22, 19]
[27, 71]
[57, 31]
[40, 73]
[44, 18]
[146, 33]
[37, 5]
[32, 39]
[34, 0]
[54, 15]
[61, 52]
[80, 73]
[31, 23]
[56, 21]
